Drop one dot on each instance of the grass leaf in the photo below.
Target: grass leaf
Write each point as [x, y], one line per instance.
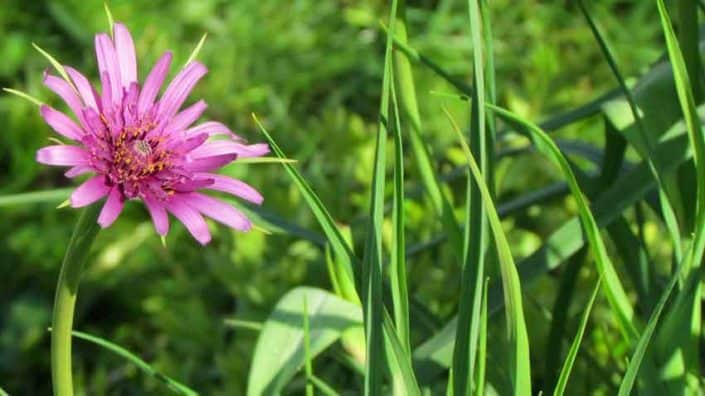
[172, 384]
[518, 364]
[575, 345]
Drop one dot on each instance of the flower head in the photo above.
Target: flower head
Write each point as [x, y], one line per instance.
[140, 147]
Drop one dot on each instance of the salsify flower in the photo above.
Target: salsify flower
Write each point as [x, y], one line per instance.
[143, 148]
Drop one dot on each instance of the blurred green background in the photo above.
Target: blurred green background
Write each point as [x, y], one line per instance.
[312, 71]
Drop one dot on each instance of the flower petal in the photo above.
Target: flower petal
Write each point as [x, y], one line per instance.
[220, 147]
[65, 92]
[234, 187]
[108, 66]
[192, 220]
[178, 90]
[62, 155]
[186, 117]
[90, 191]
[209, 163]
[125, 49]
[78, 170]
[211, 128]
[112, 208]
[84, 87]
[219, 211]
[61, 123]
[153, 83]
[159, 216]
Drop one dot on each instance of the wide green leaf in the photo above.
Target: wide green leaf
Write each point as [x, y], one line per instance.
[280, 352]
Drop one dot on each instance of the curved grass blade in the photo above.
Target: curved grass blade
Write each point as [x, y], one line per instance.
[667, 195]
[343, 252]
[422, 156]
[323, 386]
[172, 384]
[519, 362]
[3, 393]
[397, 270]
[24, 96]
[625, 388]
[475, 237]
[616, 295]
[435, 354]
[575, 346]
[399, 362]
[372, 261]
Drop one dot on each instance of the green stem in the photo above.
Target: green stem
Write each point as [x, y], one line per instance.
[65, 300]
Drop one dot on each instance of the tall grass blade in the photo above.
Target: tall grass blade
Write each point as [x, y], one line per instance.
[422, 157]
[372, 262]
[482, 344]
[575, 346]
[616, 295]
[667, 199]
[625, 388]
[475, 236]
[519, 363]
[308, 365]
[33, 197]
[397, 270]
[172, 384]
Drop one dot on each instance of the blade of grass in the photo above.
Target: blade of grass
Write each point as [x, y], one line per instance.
[397, 270]
[575, 346]
[340, 247]
[172, 384]
[475, 225]
[372, 261]
[482, 344]
[566, 291]
[667, 199]
[196, 50]
[518, 360]
[688, 41]
[3, 393]
[616, 295]
[323, 387]
[244, 324]
[24, 96]
[625, 388]
[422, 158]
[399, 362]
[680, 348]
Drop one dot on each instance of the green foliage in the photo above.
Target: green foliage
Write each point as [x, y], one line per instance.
[376, 206]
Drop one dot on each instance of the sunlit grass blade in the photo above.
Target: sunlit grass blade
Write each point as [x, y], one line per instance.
[629, 378]
[340, 247]
[421, 155]
[323, 387]
[399, 359]
[677, 346]
[33, 197]
[688, 39]
[372, 262]
[397, 270]
[481, 363]
[687, 102]
[518, 362]
[172, 384]
[24, 95]
[244, 324]
[196, 50]
[475, 225]
[435, 354]
[645, 148]
[575, 346]
[57, 66]
[614, 289]
[109, 15]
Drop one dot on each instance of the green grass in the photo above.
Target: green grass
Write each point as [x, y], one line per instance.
[550, 239]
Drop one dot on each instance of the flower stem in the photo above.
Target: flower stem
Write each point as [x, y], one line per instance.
[65, 300]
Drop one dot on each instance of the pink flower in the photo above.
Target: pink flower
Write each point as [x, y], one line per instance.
[140, 147]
